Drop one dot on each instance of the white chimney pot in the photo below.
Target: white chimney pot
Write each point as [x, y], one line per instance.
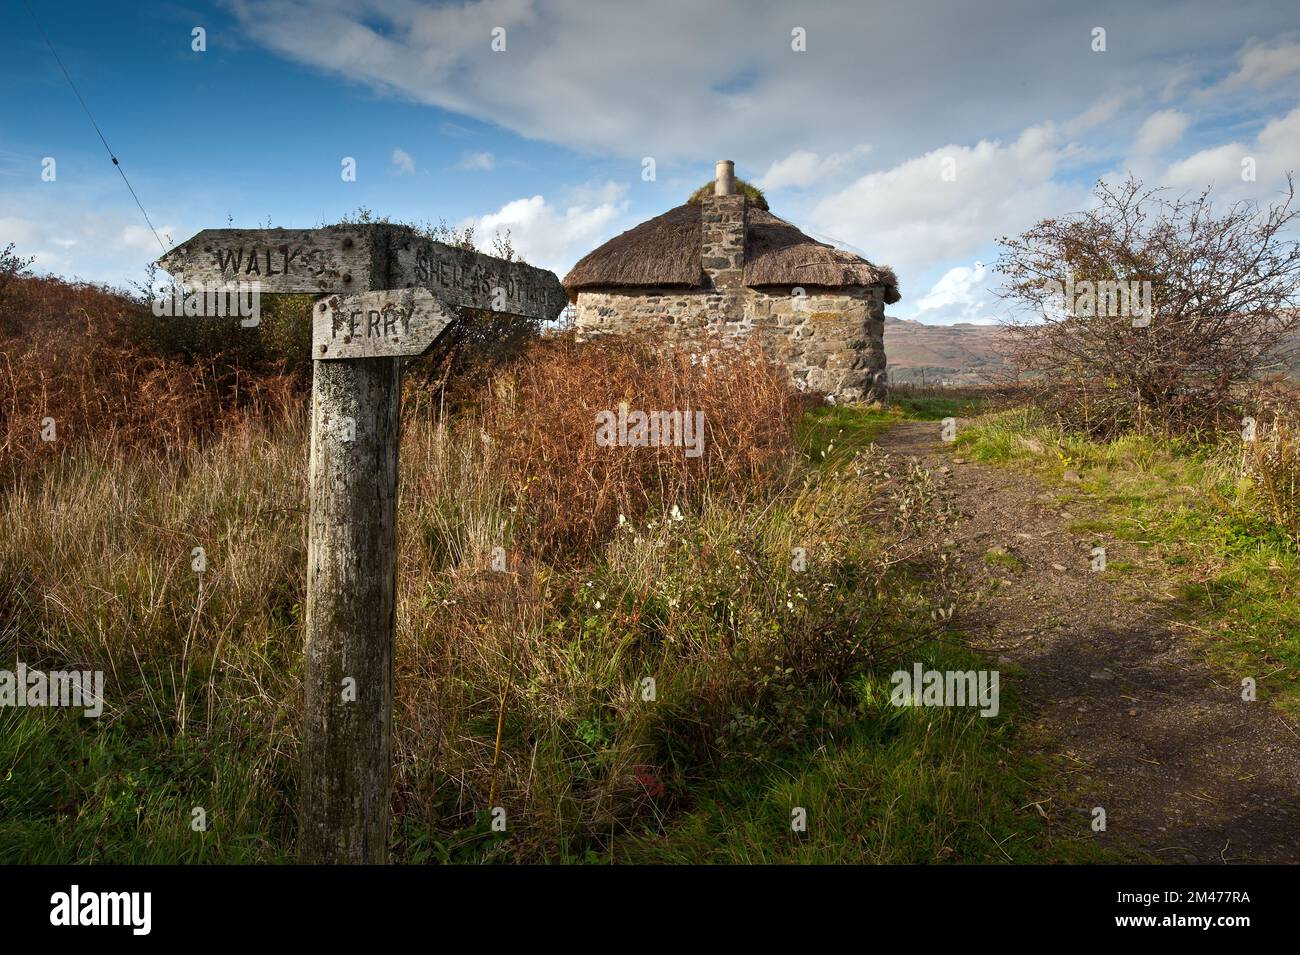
[724, 183]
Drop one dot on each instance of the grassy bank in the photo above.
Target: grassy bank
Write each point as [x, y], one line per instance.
[881, 784]
[525, 689]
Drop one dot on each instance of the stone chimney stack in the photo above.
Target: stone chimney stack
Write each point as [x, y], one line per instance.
[722, 230]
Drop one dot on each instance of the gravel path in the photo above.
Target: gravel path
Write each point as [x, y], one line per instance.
[1185, 770]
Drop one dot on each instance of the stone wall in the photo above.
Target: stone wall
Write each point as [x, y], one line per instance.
[832, 340]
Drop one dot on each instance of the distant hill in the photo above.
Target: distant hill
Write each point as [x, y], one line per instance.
[966, 354]
[961, 354]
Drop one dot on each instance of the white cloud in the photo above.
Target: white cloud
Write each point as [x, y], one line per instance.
[23, 233]
[101, 246]
[628, 84]
[803, 168]
[1160, 132]
[1208, 166]
[608, 192]
[1265, 65]
[1275, 152]
[963, 294]
[1176, 80]
[955, 287]
[549, 237]
[909, 217]
[1102, 111]
[139, 238]
[1279, 141]
[403, 161]
[480, 160]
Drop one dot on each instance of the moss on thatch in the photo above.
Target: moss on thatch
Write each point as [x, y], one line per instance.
[754, 193]
[664, 252]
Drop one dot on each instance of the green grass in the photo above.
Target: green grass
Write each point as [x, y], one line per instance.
[77, 790]
[1238, 576]
[880, 783]
[938, 408]
[835, 433]
[1001, 557]
[888, 785]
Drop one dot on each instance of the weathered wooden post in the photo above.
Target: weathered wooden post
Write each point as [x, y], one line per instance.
[358, 340]
[351, 610]
[352, 567]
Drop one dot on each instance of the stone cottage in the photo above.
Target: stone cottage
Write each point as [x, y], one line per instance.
[724, 262]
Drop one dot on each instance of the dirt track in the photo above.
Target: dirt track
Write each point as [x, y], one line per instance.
[1185, 770]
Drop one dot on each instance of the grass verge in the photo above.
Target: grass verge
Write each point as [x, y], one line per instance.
[883, 785]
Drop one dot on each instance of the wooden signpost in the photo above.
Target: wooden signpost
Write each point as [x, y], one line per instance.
[387, 293]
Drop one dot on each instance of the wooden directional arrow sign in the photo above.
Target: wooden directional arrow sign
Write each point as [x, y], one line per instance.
[355, 258]
[336, 259]
[470, 279]
[383, 324]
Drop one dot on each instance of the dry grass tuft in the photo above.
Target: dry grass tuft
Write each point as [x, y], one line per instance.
[570, 491]
[1272, 459]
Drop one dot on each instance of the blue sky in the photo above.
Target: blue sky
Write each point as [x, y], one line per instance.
[850, 136]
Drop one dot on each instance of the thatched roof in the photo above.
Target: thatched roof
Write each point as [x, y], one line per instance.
[665, 252]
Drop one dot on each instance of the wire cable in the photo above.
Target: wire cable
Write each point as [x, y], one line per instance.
[100, 132]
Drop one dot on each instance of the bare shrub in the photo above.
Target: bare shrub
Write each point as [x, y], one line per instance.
[1222, 290]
